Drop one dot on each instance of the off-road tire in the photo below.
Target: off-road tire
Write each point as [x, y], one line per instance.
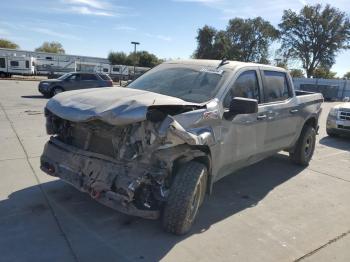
[56, 90]
[305, 147]
[186, 195]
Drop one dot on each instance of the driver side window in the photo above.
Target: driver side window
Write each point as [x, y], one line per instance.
[74, 77]
[246, 85]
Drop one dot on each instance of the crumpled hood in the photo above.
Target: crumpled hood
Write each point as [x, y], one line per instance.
[114, 105]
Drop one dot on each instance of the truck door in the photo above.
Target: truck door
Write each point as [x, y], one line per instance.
[243, 136]
[281, 110]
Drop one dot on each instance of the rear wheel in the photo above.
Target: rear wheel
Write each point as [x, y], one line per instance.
[305, 147]
[186, 195]
[2, 75]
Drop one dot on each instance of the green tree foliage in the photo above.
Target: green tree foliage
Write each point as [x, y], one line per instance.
[141, 58]
[297, 73]
[147, 59]
[315, 35]
[244, 40]
[323, 72]
[8, 44]
[250, 38]
[205, 40]
[51, 47]
[117, 58]
[347, 75]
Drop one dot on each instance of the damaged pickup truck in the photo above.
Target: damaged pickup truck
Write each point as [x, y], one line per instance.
[155, 148]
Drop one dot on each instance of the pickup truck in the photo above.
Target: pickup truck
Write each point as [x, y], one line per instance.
[156, 147]
[338, 120]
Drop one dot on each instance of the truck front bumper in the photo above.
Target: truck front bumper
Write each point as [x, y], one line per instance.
[67, 162]
[337, 126]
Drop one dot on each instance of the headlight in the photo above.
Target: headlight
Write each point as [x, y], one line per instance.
[44, 84]
[333, 112]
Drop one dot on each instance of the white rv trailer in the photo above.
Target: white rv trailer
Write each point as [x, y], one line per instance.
[13, 65]
[92, 67]
[52, 64]
[119, 72]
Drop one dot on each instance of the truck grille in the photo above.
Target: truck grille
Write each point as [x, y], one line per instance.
[343, 115]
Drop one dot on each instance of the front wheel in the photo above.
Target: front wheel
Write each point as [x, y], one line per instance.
[56, 91]
[305, 147]
[186, 195]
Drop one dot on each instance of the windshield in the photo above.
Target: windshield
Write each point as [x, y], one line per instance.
[191, 83]
[62, 77]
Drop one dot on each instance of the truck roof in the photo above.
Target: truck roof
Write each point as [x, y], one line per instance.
[231, 65]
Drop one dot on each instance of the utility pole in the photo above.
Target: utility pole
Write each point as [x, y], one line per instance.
[135, 44]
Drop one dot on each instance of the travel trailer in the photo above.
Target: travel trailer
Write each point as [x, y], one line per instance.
[13, 65]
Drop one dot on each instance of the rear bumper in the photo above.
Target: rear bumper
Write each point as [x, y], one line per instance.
[66, 162]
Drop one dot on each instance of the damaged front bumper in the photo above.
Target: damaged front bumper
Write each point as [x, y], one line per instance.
[75, 166]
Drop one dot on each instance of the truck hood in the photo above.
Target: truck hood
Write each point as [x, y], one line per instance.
[114, 105]
[345, 105]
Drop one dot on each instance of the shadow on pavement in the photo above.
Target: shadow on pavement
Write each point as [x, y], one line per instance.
[341, 142]
[97, 233]
[35, 97]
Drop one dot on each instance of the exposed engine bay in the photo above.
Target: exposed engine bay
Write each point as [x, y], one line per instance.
[128, 167]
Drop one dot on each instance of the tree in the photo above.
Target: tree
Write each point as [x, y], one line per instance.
[347, 75]
[250, 39]
[51, 47]
[205, 41]
[8, 44]
[244, 40]
[117, 58]
[315, 35]
[147, 59]
[298, 73]
[141, 58]
[323, 72]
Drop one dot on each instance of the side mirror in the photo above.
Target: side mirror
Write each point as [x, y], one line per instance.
[240, 105]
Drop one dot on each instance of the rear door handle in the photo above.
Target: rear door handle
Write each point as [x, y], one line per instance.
[293, 111]
[261, 117]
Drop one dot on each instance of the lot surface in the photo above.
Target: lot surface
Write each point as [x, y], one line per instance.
[272, 211]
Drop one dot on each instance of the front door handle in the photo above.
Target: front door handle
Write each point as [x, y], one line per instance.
[261, 117]
[293, 111]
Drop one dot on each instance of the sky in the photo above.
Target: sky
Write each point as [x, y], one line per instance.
[166, 28]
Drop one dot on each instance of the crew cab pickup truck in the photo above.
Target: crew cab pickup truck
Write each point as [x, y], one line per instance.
[156, 147]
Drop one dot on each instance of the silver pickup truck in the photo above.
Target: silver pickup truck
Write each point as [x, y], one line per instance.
[154, 148]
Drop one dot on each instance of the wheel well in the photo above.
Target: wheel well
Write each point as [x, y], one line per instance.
[204, 159]
[312, 121]
[55, 87]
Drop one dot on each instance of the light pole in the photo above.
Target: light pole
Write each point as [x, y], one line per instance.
[135, 44]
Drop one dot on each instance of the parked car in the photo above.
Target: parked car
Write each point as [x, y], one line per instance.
[338, 120]
[154, 148]
[73, 81]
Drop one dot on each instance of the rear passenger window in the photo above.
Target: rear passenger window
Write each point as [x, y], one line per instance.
[88, 77]
[246, 85]
[276, 86]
